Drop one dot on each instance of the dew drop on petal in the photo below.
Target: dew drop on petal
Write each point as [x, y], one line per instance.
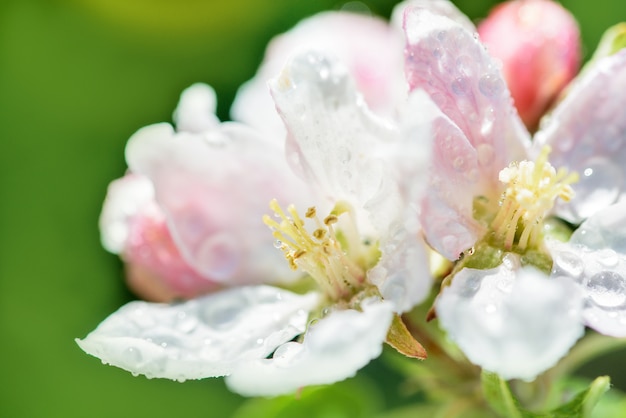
[490, 85]
[599, 186]
[608, 257]
[286, 352]
[486, 154]
[569, 264]
[133, 355]
[278, 243]
[470, 286]
[460, 86]
[490, 308]
[607, 289]
[185, 323]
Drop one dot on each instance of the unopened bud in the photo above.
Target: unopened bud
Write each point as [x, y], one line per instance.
[538, 42]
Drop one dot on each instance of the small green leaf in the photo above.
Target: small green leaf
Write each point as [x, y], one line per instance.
[583, 403]
[401, 339]
[499, 396]
[613, 40]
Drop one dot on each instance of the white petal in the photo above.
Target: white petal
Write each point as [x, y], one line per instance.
[215, 188]
[126, 197]
[595, 258]
[402, 275]
[334, 348]
[441, 7]
[371, 50]
[200, 338]
[196, 109]
[587, 133]
[515, 322]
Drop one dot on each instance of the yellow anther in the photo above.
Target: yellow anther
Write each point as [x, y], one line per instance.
[319, 254]
[532, 188]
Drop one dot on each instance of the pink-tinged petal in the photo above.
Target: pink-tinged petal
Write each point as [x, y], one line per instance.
[441, 7]
[511, 321]
[214, 189]
[587, 133]
[126, 197]
[447, 209]
[595, 258]
[204, 337]
[538, 43]
[451, 65]
[133, 225]
[332, 133]
[156, 270]
[333, 349]
[196, 109]
[370, 49]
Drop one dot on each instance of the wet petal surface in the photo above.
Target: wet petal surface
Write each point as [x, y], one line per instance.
[515, 322]
[334, 348]
[200, 338]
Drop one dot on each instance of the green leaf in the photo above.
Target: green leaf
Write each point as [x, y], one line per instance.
[583, 403]
[401, 339]
[358, 398]
[498, 394]
[613, 40]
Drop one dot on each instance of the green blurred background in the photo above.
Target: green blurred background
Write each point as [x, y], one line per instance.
[77, 78]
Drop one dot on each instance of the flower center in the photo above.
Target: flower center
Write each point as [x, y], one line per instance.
[532, 188]
[335, 259]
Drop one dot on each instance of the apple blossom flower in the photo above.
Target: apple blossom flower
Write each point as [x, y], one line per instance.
[517, 300]
[176, 219]
[359, 246]
[538, 43]
[369, 47]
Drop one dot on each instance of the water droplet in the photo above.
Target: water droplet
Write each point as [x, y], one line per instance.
[223, 311]
[450, 243]
[486, 154]
[569, 264]
[608, 257]
[460, 86]
[490, 85]
[286, 352]
[218, 256]
[607, 289]
[278, 243]
[486, 127]
[437, 52]
[459, 164]
[185, 323]
[511, 262]
[470, 285]
[464, 65]
[599, 186]
[490, 308]
[259, 341]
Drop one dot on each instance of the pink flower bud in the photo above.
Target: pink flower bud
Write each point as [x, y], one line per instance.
[538, 43]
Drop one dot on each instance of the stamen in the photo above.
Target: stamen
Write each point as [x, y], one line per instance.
[318, 254]
[532, 189]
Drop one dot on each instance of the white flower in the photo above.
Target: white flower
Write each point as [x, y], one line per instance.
[359, 243]
[491, 192]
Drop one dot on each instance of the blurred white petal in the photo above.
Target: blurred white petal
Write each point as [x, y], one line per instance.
[334, 348]
[511, 321]
[200, 338]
